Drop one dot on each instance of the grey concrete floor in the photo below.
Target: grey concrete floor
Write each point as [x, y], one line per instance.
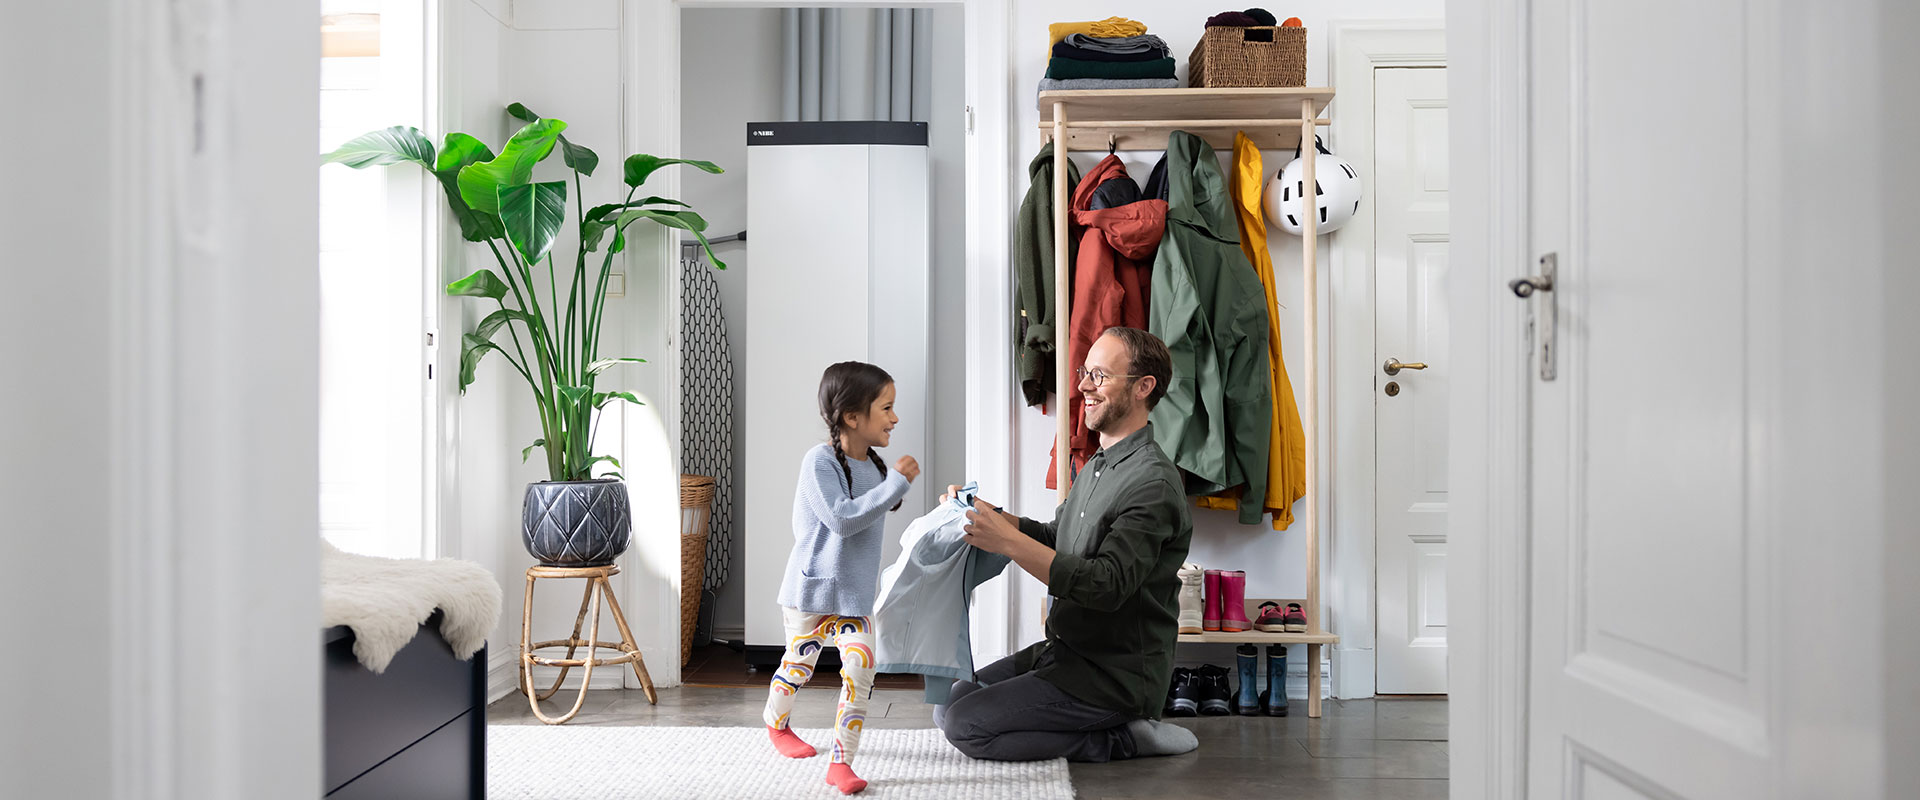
[1377, 749]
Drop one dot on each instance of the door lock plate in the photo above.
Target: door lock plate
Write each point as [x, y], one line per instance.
[1547, 316]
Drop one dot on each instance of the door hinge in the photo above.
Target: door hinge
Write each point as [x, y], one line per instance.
[969, 120]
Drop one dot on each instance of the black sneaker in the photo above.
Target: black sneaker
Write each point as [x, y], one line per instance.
[1215, 695]
[1183, 697]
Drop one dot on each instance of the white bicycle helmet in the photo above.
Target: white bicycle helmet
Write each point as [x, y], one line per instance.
[1338, 192]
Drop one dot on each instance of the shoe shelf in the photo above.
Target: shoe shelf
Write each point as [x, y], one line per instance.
[1142, 119]
[1258, 637]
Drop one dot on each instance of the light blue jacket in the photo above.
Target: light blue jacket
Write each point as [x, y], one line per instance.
[922, 622]
[835, 564]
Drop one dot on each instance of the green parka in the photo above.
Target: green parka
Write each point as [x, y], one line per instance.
[1033, 324]
[1208, 305]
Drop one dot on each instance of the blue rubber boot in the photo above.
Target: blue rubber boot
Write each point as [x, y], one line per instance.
[1247, 700]
[1275, 697]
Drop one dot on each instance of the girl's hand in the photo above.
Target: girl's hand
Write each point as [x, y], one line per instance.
[908, 467]
[952, 490]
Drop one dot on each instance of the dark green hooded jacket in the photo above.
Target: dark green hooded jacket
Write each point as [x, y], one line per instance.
[1207, 304]
[1033, 324]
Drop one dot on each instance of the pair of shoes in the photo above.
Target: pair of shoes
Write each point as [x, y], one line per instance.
[1273, 618]
[1191, 578]
[1183, 697]
[1214, 695]
[1226, 598]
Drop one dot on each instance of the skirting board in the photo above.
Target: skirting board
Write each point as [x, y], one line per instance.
[1357, 667]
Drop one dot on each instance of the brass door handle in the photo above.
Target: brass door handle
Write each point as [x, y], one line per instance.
[1393, 366]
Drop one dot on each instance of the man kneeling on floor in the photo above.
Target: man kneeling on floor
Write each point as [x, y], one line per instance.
[1093, 689]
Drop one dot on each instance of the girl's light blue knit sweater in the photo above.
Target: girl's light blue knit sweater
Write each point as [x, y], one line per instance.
[835, 565]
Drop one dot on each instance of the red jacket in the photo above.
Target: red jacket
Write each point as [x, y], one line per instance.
[1110, 276]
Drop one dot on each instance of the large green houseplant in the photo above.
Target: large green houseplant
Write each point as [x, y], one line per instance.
[572, 519]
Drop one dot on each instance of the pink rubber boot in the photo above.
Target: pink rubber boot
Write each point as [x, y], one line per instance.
[1233, 602]
[1211, 619]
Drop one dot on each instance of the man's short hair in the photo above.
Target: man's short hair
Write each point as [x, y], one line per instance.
[1149, 356]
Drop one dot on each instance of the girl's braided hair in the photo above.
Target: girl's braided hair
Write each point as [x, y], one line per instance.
[850, 387]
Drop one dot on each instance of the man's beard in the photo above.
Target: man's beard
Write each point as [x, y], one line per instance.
[1109, 412]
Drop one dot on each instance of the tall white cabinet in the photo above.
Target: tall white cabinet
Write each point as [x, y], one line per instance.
[838, 257]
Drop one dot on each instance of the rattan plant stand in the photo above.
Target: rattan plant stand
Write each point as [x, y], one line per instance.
[629, 653]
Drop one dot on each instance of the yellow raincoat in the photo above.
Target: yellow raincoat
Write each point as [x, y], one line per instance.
[1287, 452]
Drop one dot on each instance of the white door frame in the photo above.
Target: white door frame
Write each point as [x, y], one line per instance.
[1488, 555]
[1358, 48]
[212, 485]
[651, 36]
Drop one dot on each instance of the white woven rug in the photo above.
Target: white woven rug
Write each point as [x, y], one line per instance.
[539, 762]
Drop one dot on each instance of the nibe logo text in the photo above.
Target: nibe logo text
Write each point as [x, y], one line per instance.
[763, 133]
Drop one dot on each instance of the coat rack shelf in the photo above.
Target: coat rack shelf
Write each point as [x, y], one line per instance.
[1141, 119]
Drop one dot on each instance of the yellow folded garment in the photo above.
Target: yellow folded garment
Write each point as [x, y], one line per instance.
[1109, 28]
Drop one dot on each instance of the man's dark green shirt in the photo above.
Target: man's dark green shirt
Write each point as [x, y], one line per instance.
[1119, 540]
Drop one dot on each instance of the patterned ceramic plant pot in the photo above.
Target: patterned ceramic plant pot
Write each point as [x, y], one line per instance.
[576, 523]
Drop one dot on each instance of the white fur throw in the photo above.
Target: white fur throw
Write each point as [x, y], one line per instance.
[384, 601]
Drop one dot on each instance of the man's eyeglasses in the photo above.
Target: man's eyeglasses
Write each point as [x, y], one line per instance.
[1098, 376]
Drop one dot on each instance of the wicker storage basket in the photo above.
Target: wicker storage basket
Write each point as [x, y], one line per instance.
[696, 508]
[1253, 56]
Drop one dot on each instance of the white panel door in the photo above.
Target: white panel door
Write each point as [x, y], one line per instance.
[1410, 407]
[1652, 673]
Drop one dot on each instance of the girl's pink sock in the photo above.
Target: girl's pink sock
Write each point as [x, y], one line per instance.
[842, 778]
[790, 744]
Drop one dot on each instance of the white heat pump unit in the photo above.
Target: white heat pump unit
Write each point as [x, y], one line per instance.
[837, 270]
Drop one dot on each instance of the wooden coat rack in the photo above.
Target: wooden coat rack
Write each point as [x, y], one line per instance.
[1142, 119]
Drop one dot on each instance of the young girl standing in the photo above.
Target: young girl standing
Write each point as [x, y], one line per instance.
[833, 575]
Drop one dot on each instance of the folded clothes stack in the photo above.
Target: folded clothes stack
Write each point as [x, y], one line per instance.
[1114, 53]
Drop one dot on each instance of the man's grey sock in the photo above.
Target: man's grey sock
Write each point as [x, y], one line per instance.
[1152, 737]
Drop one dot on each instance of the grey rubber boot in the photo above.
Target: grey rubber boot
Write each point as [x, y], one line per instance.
[1275, 697]
[1246, 702]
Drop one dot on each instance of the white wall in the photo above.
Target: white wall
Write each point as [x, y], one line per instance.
[730, 75]
[562, 60]
[486, 428]
[1275, 562]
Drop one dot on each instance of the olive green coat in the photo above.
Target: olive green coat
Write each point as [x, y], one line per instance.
[1033, 324]
[1209, 306]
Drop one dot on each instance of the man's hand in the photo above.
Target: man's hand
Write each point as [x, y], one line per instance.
[992, 530]
[998, 532]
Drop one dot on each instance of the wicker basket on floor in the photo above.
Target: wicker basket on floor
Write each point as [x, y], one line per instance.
[1253, 56]
[696, 508]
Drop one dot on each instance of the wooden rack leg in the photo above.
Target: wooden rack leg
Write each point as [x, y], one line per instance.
[1062, 313]
[627, 643]
[1313, 681]
[1310, 420]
